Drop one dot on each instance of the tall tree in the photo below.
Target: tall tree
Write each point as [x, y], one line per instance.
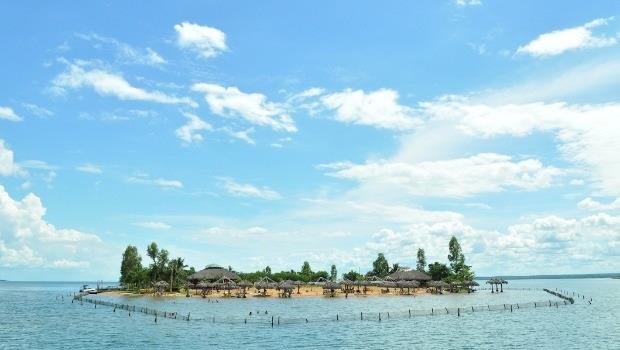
[162, 262]
[333, 275]
[380, 266]
[130, 265]
[456, 257]
[152, 250]
[267, 270]
[421, 265]
[306, 271]
[176, 267]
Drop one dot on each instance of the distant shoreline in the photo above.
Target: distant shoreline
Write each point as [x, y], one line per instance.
[557, 277]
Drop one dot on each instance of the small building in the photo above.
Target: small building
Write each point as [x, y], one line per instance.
[212, 273]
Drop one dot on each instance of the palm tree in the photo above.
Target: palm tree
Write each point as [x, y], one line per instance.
[175, 265]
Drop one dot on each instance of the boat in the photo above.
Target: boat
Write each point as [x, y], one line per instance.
[86, 290]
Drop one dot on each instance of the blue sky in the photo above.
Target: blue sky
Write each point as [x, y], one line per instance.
[254, 134]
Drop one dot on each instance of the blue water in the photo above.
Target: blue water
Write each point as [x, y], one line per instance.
[34, 316]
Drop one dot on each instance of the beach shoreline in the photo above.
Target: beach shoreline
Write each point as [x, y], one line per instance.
[315, 292]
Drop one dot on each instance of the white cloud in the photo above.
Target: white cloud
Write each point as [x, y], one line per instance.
[206, 41]
[8, 167]
[461, 177]
[110, 84]
[223, 232]
[38, 110]
[243, 135]
[145, 179]
[253, 107]
[70, 264]
[7, 113]
[468, 2]
[560, 41]
[125, 52]
[587, 134]
[591, 204]
[89, 168]
[248, 190]
[190, 132]
[22, 227]
[483, 206]
[378, 108]
[152, 225]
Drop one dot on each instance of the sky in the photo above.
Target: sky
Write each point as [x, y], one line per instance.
[257, 134]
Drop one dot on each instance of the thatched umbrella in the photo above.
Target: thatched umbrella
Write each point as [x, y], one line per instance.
[408, 275]
[298, 284]
[408, 285]
[331, 287]
[501, 284]
[287, 288]
[243, 285]
[438, 285]
[264, 284]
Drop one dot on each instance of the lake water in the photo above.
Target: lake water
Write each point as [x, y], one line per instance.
[33, 316]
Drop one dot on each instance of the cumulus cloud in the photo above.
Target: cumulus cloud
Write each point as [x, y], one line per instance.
[248, 190]
[7, 113]
[89, 168]
[145, 179]
[591, 204]
[378, 108]
[110, 84]
[8, 167]
[204, 40]
[253, 107]
[190, 132]
[152, 225]
[560, 41]
[461, 177]
[26, 239]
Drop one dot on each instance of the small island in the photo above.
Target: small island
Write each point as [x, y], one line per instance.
[172, 277]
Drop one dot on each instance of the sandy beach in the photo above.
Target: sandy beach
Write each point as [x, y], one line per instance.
[304, 291]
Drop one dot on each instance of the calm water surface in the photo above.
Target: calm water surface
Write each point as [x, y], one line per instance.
[33, 316]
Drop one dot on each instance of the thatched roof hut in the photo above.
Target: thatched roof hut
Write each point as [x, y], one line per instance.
[212, 273]
[409, 275]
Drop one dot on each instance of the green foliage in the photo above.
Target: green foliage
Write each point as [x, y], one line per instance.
[394, 268]
[333, 274]
[380, 266]
[438, 271]
[353, 276]
[131, 265]
[456, 257]
[267, 271]
[306, 270]
[421, 260]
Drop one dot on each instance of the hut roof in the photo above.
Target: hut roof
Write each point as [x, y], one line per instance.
[409, 275]
[332, 285]
[408, 284]
[213, 273]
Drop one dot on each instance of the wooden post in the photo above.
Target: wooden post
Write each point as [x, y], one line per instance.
[271, 321]
[409, 313]
[458, 311]
[361, 316]
[510, 307]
